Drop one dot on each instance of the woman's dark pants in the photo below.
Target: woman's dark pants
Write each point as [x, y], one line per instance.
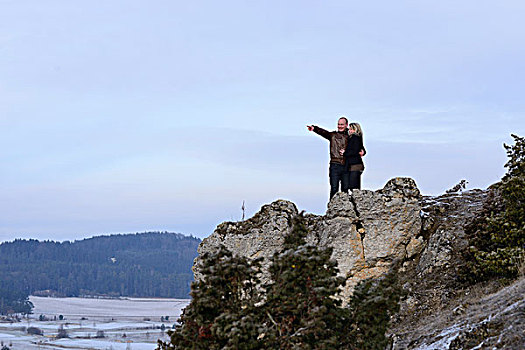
[354, 180]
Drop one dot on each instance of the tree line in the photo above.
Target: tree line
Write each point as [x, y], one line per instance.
[152, 264]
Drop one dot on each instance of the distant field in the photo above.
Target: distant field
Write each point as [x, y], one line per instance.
[131, 323]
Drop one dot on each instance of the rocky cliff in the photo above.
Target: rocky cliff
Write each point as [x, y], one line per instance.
[373, 231]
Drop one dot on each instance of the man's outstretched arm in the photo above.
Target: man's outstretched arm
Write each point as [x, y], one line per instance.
[319, 131]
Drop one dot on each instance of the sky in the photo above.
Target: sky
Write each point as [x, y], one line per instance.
[130, 116]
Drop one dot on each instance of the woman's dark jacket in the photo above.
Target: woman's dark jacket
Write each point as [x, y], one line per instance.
[354, 146]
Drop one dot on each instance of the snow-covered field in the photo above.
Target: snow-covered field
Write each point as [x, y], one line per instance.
[131, 323]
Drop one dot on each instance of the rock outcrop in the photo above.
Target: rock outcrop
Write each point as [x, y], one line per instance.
[373, 231]
[368, 230]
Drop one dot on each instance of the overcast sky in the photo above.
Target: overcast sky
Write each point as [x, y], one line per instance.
[127, 116]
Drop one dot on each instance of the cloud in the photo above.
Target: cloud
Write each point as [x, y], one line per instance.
[168, 115]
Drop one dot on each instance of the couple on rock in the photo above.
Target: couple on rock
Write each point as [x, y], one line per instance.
[346, 152]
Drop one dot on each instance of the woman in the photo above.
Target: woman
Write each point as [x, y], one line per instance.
[353, 153]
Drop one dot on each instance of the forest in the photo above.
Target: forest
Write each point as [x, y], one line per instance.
[150, 264]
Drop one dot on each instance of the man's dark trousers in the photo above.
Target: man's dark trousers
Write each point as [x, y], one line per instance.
[338, 174]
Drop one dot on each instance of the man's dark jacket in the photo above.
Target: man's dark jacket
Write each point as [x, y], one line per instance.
[338, 140]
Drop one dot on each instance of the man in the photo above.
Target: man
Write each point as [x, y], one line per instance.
[338, 140]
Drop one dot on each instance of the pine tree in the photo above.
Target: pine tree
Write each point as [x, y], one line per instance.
[301, 310]
[373, 303]
[498, 236]
[221, 314]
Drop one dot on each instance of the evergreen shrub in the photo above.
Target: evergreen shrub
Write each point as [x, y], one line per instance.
[497, 236]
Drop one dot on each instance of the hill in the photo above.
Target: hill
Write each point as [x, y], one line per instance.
[423, 239]
[150, 264]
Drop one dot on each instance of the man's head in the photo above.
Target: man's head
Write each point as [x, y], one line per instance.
[342, 124]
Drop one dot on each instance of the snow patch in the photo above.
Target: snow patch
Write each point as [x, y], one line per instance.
[447, 336]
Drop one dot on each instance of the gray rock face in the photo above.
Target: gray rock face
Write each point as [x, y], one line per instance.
[432, 273]
[444, 219]
[367, 230]
[260, 236]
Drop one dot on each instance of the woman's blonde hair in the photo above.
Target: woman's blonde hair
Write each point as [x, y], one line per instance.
[356, 127]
